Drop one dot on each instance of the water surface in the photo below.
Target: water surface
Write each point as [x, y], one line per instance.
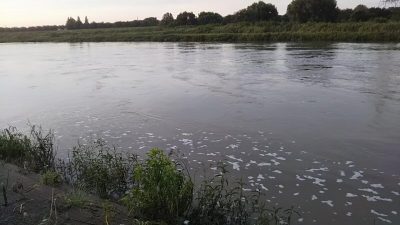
[313, 125]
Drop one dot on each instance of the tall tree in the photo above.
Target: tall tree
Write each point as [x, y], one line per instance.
[259, 11]
[71, 23]
[167, 19]
[313, 10]
[186, 18]
[209, 18]
[78, 23]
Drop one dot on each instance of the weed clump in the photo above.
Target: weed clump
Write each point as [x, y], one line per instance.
[99, 169]
[35, 152]
[162, 191]
[219, 202]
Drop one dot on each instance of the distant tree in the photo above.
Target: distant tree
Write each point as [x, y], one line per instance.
[151, 21]
[258, 12]
[86, 24]
[186, 18]
[229, 19]
[71, 23]
[360, 13]
[313, 10]
[209, 18]
[78, 23]
[344, 15]
[167, 19]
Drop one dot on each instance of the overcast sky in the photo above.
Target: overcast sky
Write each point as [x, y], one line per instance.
[41, 12]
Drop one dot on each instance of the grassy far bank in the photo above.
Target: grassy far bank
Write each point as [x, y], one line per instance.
[237, 32]
[155, 190]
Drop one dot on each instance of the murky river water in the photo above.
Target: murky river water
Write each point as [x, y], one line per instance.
[315, 125]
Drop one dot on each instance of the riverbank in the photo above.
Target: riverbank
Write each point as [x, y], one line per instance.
[156, 190]
[237, 32]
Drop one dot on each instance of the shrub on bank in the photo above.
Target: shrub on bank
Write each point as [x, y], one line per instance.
[163, 190]
[35, 152]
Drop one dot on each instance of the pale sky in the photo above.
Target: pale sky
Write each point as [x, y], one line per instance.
[47, 12]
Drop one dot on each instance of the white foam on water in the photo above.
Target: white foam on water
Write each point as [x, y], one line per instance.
[232, 146]
[396, 193]
[300, 160]
[235, 165]
[317, 181]
[378, 214]
[264, 164]
[319, 169]
[186, 141]
[376, 198]
[349, 214]
[328, 202]
[339, 180]
[281, 186]
[394, 212]
[296, 194]
[233, 157]
[313, 197]
[300, 220]
[261, 177]
[350, 195]
[368, 190]
[299, 178]
[384, 220]
[357, 174]
[364, 181]
[211, 154]
[377, 185]
[277, 171]
[263, 187]
[348, 203]
[281, 158]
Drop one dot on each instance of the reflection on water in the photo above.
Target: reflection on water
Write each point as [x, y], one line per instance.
[315, 125]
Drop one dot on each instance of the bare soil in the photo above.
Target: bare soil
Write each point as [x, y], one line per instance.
[32, 203]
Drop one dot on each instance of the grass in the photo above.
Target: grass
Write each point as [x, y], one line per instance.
[77, 199]
[156, 190]
[237, 32]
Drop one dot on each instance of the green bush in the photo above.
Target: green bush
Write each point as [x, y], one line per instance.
[162, 190]
[100, 169]
[14, 146]
[34, 152]
[51, 178]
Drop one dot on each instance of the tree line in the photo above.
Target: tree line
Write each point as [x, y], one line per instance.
[300, 11]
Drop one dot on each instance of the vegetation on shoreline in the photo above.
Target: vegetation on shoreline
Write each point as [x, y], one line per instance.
[156, 190]
[237, 32]
[305, 20]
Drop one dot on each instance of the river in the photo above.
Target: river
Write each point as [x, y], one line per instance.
[315, 125]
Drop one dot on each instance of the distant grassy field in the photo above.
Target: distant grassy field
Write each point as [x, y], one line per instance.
[239, 32]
